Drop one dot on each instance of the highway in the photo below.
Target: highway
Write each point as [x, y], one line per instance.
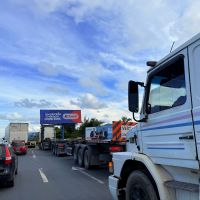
[43, 176]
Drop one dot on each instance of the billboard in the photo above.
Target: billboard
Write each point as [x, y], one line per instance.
[60, 116]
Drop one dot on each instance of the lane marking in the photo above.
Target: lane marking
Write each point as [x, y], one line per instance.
[43, 176]
[34, 156]
[82, 170]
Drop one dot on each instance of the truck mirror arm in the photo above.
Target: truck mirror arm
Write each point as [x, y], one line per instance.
[139, 120]
[141, 84]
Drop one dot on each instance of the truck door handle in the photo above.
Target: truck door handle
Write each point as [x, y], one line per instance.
[188, 137]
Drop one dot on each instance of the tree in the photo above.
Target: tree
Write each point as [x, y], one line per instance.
[58, 132]
[71, 132]
[125, 119]
[88, 123]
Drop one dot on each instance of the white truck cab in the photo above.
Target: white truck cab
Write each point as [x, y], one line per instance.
[162, 161]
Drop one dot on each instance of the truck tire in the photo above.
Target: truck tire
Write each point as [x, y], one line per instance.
[87, 159]
[75, 156]
[80, 158]
[139, 187]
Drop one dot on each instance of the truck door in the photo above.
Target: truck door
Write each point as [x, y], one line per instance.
[168, 135]
[194, 65]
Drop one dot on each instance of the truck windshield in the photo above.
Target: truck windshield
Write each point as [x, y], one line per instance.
[167, 88]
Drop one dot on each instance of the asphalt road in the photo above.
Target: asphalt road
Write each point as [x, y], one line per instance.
[42, 176]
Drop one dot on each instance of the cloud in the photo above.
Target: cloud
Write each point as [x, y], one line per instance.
[31, 103]
[50, 69]
[57, 89]
[92, 47]
[88, 101]
[14, 116]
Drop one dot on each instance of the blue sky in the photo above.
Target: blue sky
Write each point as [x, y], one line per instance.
[80, 54]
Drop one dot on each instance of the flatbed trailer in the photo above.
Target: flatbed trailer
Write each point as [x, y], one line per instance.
[96, 150]
[95, 153]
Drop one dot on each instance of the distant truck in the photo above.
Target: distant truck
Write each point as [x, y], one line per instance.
[17, 131]
[46, 136]
[100, 142]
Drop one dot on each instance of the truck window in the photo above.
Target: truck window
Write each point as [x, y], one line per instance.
[167, 87]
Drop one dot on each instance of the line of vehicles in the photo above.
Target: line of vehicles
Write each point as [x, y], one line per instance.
[159, 157]
[95, 149]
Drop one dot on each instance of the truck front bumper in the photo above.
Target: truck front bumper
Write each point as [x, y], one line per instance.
[113, 186]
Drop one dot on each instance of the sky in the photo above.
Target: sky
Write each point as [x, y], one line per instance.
[80, 54]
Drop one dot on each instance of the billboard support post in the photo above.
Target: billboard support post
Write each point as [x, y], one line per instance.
[63, 132]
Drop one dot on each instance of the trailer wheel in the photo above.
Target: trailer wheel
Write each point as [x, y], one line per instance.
[139, 187]
[86, 159]
[75, 155]
[80, 158]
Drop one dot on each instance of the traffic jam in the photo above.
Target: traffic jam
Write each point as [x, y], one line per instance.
[99, 100]
[86, 155]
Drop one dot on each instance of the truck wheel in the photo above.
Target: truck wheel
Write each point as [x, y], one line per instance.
[80, 158]
[75, 155]
[86, 159]
[139, 187]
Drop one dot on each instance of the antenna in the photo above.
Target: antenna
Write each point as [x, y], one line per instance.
[172, 46]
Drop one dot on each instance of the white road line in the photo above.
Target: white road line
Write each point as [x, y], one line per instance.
[34, 156]
[44, 178]
[81, 170]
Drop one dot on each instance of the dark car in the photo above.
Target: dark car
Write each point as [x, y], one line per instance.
[19, 147]
[8, 165]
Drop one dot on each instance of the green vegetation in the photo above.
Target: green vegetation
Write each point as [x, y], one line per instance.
[72, 132]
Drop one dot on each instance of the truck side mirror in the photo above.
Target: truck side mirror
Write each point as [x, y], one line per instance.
[133, 96]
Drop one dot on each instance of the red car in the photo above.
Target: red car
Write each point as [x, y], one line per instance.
[19, 147]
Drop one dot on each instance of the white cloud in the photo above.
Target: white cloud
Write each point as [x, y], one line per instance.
[58, 89]
[88, 101]
[13, 116]
[50, 69]
[123, 33]
[33, 103]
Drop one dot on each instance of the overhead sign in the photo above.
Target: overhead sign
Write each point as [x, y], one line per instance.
[60, 116]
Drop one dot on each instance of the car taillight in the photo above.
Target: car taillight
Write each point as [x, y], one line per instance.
[61, 145]
[116, 148]
[8, 159]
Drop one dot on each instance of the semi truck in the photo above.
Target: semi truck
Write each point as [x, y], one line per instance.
[16, 131]
[46, 136]
[100, 142]
[163, 149]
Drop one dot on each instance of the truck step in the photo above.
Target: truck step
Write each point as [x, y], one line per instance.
[182, 186]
